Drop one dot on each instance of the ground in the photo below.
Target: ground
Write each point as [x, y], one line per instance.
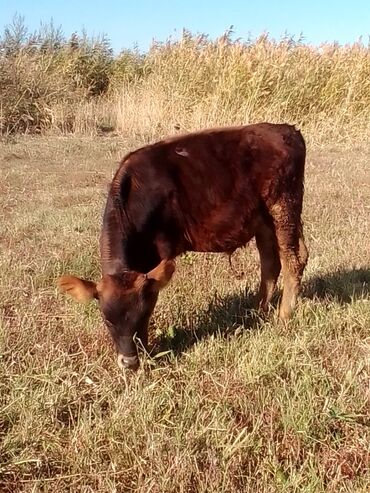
[228, 402]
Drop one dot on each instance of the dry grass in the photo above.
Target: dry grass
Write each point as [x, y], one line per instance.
[79, 87]
[237, 404]
[196, 82]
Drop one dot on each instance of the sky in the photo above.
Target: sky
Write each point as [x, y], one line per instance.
[138, 22]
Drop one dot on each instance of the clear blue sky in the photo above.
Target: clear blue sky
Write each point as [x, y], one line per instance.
[139, 21]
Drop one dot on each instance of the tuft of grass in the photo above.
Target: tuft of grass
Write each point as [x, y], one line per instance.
[226, 401]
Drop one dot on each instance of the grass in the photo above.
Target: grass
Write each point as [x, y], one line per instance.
[227, 402]
[51, 84]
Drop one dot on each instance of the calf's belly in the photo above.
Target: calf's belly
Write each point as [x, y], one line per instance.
[226, 238]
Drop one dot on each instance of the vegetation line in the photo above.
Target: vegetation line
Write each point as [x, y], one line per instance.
[49, 83]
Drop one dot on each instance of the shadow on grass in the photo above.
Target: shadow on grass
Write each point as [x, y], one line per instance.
[223, 317]
[342, 286]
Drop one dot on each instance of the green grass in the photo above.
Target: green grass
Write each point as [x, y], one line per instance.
[227, 402]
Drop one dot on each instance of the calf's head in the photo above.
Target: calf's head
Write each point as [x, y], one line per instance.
[126, 302]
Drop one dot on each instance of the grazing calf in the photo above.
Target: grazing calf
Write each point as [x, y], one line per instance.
[209, 191]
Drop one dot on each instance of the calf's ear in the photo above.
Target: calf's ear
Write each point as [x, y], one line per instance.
[80, 289]
[161, 275]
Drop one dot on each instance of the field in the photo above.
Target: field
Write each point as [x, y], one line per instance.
[227, 402]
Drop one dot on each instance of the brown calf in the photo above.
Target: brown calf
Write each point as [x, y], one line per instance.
[209, 191]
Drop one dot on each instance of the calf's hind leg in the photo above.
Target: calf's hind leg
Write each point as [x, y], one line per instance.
[293, 253]
[270, 263]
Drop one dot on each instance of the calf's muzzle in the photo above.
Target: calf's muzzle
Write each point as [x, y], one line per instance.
[128, 362]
